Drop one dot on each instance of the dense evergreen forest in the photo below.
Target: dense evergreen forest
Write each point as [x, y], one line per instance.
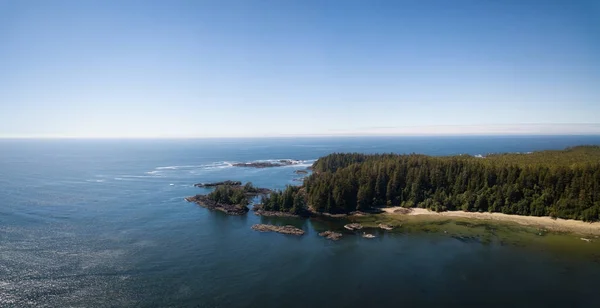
[291, 200]
[233, 194]
[563, 184]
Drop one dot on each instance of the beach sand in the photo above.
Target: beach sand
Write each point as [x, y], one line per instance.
[567, 225]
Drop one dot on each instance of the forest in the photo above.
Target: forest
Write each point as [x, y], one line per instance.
[563, 184]
[226, 194]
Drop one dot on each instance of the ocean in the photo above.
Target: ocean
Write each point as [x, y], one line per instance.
[103, 223]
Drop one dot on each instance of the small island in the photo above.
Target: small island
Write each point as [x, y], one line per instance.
[228, 198]
[224, 183]
[268, 164]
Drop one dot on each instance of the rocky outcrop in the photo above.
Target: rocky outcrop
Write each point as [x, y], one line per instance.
[353, 226]
[229, 209]
[300, 171]
[250, 191]
[257, 191]
[224, 183]
[279, 229]
[259, 211]
[330, 235]
[262, 164]
[386, 227]
[274, 214]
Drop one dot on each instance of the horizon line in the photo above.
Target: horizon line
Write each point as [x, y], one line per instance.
[523, 129]
[289, 136]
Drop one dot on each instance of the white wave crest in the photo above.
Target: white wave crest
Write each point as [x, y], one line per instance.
[213, 165]
[177, 167]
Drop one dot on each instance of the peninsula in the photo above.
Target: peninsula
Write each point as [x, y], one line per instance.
[562, 184]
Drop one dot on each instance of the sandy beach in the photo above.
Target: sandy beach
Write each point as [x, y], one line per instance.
[545, 222]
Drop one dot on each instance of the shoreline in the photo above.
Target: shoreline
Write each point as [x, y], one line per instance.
[559, 224]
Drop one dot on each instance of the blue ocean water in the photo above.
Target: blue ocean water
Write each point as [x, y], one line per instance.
[103, 223]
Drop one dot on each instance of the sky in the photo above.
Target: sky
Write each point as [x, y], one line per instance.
[193, 69]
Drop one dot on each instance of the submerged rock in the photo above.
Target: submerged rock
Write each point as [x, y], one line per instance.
[279, 229]
[330, 235]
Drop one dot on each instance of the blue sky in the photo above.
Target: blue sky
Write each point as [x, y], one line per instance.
[279, 68]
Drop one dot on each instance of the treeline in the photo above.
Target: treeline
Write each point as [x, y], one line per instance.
[233, 194]
[291, 200]
[563, 184]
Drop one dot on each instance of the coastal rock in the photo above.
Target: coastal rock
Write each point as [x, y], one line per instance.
[229, 209]
[258, 211]
[224, 183]
[353, 226]
[330, 235]
[279, 229]
[262, 164]
[386, 227]
[249, 191]
[367, 235]
[301, 171]
[273, 214]
[257, 191]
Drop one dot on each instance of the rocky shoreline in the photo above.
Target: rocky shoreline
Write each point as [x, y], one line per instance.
[254, 191]
[215, 184]
[229, 209]
[279, 229]
[261, 164]
[274, 214]
[258, 211]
